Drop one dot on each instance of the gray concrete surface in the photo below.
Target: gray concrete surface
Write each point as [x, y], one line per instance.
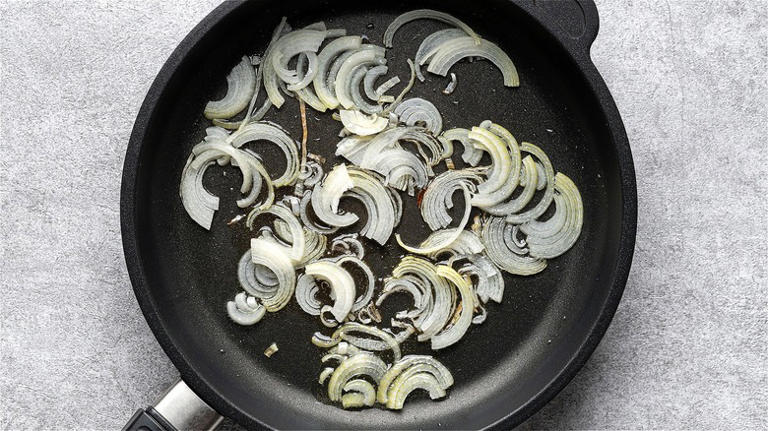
[688, 346]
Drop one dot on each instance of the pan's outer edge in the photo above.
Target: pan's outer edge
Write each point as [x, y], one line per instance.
[579, 50]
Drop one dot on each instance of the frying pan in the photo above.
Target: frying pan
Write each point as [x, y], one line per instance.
[530, 346]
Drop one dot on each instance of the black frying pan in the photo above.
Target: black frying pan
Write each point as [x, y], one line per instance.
[505, 369]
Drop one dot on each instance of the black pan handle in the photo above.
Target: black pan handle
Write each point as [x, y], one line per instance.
[179, 409]
[575, 22]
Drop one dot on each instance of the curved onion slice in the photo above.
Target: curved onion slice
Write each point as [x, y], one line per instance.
[271, 132]
[429, 46]
[270, 254]
[449, 239]
[241, 83]
[345, 333]
[358, 99]
[277, 57]
[549, 191]
[490, 282]
[326, 197]
[259, 281]
[359, 393]
[501, 161]
[372, 56]
[304, 206]
[331, 51]
[342, 287]
[370, 80]
[414, 15]
[553, 237]
[453, 50]
[379, 204]
[471, 154]
[411, 364]
[359, 364]
[327, 371]
[528, 179]
[509, 151]
[454, 333]
[199, 203]
[314, 243]
[348, 243]
[245, 310]
[306, 295]
[296, 251]
[364, 298]
[361, 124]
[416, 110]
[468, 243]
[495, 234]
[438, 196]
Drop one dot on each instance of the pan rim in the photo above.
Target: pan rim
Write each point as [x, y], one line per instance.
[140, 283]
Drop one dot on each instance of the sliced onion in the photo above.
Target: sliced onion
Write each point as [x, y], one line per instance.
[359, 393]
[348, 243]
[438, 196]
[490, 282]
[360, 364]
[451, 87]
[296, 251]
[326, 197]
[471, 154]
[441, 298]
[271, 132]
[386, 86]
[341, 283]
[358, 99]
[306, 295]
[528, 179]
[553, 237]
[361, 124]
[449, 239]
[370, 79]
[327, 371]
[510, 152]
[346, 331]
[417, 110]
[429, 46]
[331, 51]
[373, 56]
[259, 281]
[454, 50]
[281, 51]
[494, 233]
[245, 310]
[467, 243]
[304, 206]
[268, 253]
[453, 334]
[241, 83]
[389, 386]
[369, 189]
[414, 15]
[549, 191]
[365, 297]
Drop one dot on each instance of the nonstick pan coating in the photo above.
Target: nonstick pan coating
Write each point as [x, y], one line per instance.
[505, 369]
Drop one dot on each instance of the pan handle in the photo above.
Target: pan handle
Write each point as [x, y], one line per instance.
[178, 409]
[576, 22]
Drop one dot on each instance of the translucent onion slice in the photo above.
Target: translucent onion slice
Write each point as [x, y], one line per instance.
[327, 371]
[387, 85]
[326, 197]
[494, 232]
[371, 75]
[358, 99]
[245, 310]
[296, 251]
[468, 243]
[417, 14]
[361, 124]
[553, 237]
[304, 206]
[358, 393]
[306, 295]
[331, 51]
[266, 131]
[359, 364]
[241, 83]
[341, 283]
[346, 332]
[449, 239]
[489, 282]
[348, 243]
[454, 50]
[417, 110]
[369, 189]
[268, 253]
[441, 299]
[260, 282]
[412, 364]
[373, 56]
[528, 179]
[501, 161]
[281, 51]
[549, 191]
[512, 152]
[438, 196]
[364, 298]
[471, 154]
[453, 334]
[429, 47]
[405, 385]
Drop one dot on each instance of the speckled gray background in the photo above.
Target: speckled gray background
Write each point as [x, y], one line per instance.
[688, 347]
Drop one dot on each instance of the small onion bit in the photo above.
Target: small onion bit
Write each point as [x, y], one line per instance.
[449, 89]
[241, 83]
[245, 310]
[417, 110]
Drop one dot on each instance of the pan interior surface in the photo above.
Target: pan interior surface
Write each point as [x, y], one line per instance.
[500, 365]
